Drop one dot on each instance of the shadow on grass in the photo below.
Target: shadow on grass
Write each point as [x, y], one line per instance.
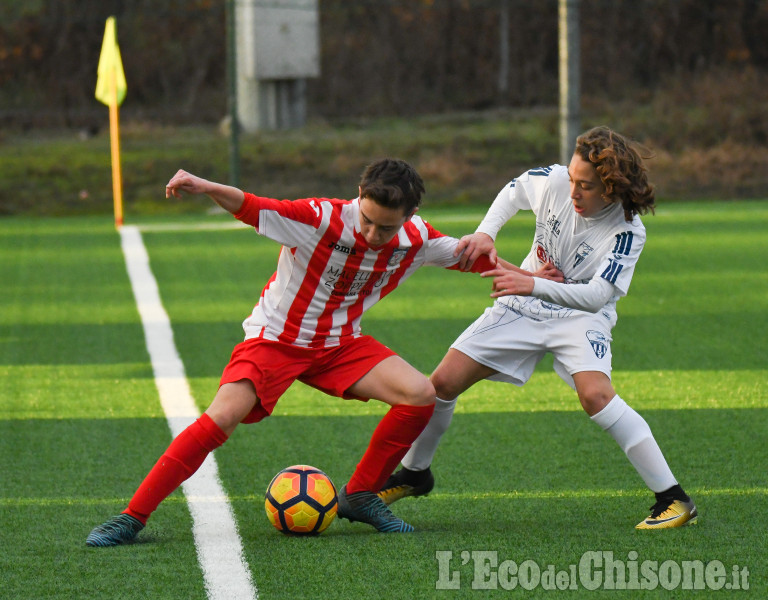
[641, 343]
[546, 486]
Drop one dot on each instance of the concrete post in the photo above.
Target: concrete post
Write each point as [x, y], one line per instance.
[570, 76]
[278, 48]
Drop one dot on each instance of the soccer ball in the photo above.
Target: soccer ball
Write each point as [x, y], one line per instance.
[301, 500]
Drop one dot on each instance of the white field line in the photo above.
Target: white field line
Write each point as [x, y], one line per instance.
[696, 492]
[201, 226]
[219, 548]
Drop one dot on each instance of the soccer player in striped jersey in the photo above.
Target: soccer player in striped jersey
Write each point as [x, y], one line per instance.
[588, 228]
[338, 258]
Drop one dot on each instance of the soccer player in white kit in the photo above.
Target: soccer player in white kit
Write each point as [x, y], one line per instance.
[339, 257]
[587, 227]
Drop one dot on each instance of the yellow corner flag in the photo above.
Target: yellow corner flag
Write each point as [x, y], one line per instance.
[110, 89]
[110, 86]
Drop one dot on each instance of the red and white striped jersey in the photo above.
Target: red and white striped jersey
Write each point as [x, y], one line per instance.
[327, 276]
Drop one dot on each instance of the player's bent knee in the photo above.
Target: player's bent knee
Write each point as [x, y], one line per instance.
[422, 394]
[594, 390]
[426, 395]
[456, 373]
[445, 386]
[232, 404]
[595, 401]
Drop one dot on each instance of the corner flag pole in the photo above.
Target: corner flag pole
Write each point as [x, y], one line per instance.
[110, 90]
[114, 137]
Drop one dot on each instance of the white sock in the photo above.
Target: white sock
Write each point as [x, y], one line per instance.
[422, 451]
[634, 436]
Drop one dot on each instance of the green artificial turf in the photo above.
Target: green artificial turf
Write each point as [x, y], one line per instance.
[523, 476]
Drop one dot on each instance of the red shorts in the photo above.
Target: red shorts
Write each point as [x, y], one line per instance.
[274, 366]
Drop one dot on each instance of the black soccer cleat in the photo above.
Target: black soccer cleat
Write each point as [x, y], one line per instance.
[406, 483]
[367, 507]
[121, 529]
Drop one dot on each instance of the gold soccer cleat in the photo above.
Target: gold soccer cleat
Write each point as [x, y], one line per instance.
[406, 483]
[666, 514]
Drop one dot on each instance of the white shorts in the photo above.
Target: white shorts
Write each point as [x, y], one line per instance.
[513, 344]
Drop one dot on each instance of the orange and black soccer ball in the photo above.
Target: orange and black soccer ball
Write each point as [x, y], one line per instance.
[301, 500]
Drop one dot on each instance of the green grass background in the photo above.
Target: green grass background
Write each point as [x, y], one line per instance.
[522, 471]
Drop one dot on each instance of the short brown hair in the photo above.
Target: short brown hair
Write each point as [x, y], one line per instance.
[620, 167]
[392, 183]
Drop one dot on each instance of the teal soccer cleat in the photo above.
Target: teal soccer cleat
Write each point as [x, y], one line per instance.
[121, 529]
[367, 507]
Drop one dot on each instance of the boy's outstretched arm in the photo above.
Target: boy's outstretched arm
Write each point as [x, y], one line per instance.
[228, 197]
[473, 246]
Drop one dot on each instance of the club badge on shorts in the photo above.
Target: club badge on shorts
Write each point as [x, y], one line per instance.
[598, 343]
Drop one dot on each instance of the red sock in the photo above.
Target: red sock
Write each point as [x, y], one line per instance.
[182, 458]
[390, 441]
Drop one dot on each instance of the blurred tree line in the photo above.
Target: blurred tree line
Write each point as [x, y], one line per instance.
[378, 57]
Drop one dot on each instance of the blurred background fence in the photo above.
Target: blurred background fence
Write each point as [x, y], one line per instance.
[687, 77]
[379, 57]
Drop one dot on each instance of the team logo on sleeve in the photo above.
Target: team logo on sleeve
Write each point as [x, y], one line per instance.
[598, 342]
[397, 256]
[611, 273]
[623, 244]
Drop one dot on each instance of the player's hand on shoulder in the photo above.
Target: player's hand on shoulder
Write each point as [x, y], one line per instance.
[185, 182]
[473, 247]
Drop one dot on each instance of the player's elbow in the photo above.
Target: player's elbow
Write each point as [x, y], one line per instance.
[593, 306]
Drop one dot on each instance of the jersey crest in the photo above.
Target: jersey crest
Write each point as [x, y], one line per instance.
[397, 255]
[582, 252]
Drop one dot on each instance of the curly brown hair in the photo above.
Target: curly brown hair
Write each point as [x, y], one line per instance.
[620, 166]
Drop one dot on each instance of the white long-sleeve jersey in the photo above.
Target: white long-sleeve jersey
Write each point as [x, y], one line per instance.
[591, 252]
